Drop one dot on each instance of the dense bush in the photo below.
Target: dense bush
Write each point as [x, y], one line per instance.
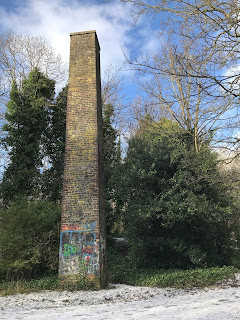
[29, 238]
[177, 206]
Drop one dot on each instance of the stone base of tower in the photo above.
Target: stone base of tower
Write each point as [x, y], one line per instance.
[82, 255]
[84, 283]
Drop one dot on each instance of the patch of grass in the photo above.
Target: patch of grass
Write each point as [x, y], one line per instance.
[173, 278]
[47, 282]
[122, 271]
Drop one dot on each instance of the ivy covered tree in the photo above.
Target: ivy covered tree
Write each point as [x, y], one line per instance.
[112, 167]
[27, 119]
[35, 133]
[177, 206]
[54, 148]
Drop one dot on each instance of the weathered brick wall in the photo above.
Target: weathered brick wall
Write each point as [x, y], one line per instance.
[82, 244]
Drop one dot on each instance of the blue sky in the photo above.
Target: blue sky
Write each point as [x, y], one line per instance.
[55, 19]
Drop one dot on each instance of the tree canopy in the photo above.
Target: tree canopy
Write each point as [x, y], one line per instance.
[177, 207]
[27, 120]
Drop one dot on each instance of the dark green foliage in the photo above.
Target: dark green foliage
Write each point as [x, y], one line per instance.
[235, 244]
[29, 238]
[176, 204]
[112, 167]
[54, 148]
[43, 282]
[123, 274]
[27, 119]
[121, 271]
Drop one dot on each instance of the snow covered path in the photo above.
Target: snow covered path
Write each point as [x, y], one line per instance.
[125, 302]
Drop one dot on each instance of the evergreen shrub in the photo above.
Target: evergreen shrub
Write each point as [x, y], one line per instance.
[29, 239]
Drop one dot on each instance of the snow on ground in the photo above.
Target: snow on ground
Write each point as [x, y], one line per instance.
[126, 302]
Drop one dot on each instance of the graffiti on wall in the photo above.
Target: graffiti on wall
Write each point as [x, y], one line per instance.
[78, 248]
[83, 226]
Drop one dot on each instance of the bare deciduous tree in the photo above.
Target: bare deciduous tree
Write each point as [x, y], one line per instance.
[112, 87]
[112, 93]
[196, 79]
[172, 94]
[19, 54]
[213, 33]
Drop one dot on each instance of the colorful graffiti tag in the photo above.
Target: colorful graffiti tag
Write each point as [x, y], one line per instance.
[78, 246]
[83, 226]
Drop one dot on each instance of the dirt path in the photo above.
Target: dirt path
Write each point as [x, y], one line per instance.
[125, 302]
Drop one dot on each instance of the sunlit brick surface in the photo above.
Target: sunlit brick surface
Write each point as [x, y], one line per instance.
[82, 243]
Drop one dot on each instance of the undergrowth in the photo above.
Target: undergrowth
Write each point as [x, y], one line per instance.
[121, 271]
[46, 282]
[174, 278]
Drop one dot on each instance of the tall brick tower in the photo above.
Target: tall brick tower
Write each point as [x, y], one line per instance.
[82, 239]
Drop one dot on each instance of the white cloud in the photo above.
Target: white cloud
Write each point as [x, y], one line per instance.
[55, 19]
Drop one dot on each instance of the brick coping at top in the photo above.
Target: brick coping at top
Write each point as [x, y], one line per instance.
[82, 32]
